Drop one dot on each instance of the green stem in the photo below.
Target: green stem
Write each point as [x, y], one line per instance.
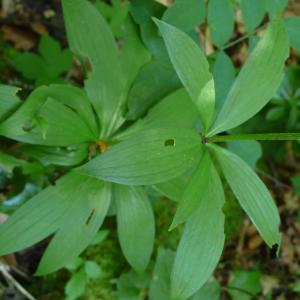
[255, 137]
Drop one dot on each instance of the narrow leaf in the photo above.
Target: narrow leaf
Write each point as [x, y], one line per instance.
[148, 157]
[90, 37]
[202, 242]
[135, 225]
[195, 191]
[252, 195]
[257, 81]
[9, 100]
[86, 212]
[192, 68]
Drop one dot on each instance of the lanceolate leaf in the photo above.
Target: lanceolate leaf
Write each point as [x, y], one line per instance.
[9, 100]
[202, 242]
[195, 192]
[257, 81]
[176, 110]
[192, 68]
[90, 37]
[135, 225]
[86, 212]
[45, 119]
[252, 195]
[149, 157]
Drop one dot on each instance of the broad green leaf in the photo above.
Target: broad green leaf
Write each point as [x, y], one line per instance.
[90, 37]
[68, 156]
[75, 287]
[46, 120]
[148, 157]
[293, 27]
[195, 191]
[224, 74]
[87, 208]
[185, 14]
[244, 285]
[160, 284]
[9, 100]
[249, 151]
[252, 195]
[202, 242]
[257, 81]
[155, 81]
[210, 291]
[136, 228]
[220, 21]
[192, 68]
[253, 12]
[176, 110]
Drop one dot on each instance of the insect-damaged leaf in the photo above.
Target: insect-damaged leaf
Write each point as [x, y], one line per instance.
[192, 68]
[257, 81]
[252, 195]
[74, 208]
[148, 157]
[135, 225]
[90, 37]
[202, 242]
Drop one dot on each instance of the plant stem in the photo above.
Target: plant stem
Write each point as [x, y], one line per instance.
[255, 137]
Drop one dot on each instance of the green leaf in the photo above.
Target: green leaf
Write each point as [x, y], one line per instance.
[88, 208]
[160, 284]
[211, 290]
[68, 156]
[220, 21]
[9, 100]
[148, 157]
[74, 197]
[192, 68]
[248, 95]
[136, 228]
[90, 37]
[224, 75]
[253, 12]
[75, 287]
[92, 270]
[196, 189]
[45, 119]
[293, 27]
[175, 111]
[275, 7]
[202, 242]
[249, 151]
[252, 195]
[296, 184]
[245, 285]
[155, 81]
[185, 14]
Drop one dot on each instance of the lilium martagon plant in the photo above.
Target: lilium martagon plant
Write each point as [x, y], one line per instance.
[58, 119]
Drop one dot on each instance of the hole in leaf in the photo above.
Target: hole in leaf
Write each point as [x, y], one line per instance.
[170, 143]
[90, 217]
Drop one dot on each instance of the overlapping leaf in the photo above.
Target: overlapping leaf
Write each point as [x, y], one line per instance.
[257, 81]
[9, 100]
